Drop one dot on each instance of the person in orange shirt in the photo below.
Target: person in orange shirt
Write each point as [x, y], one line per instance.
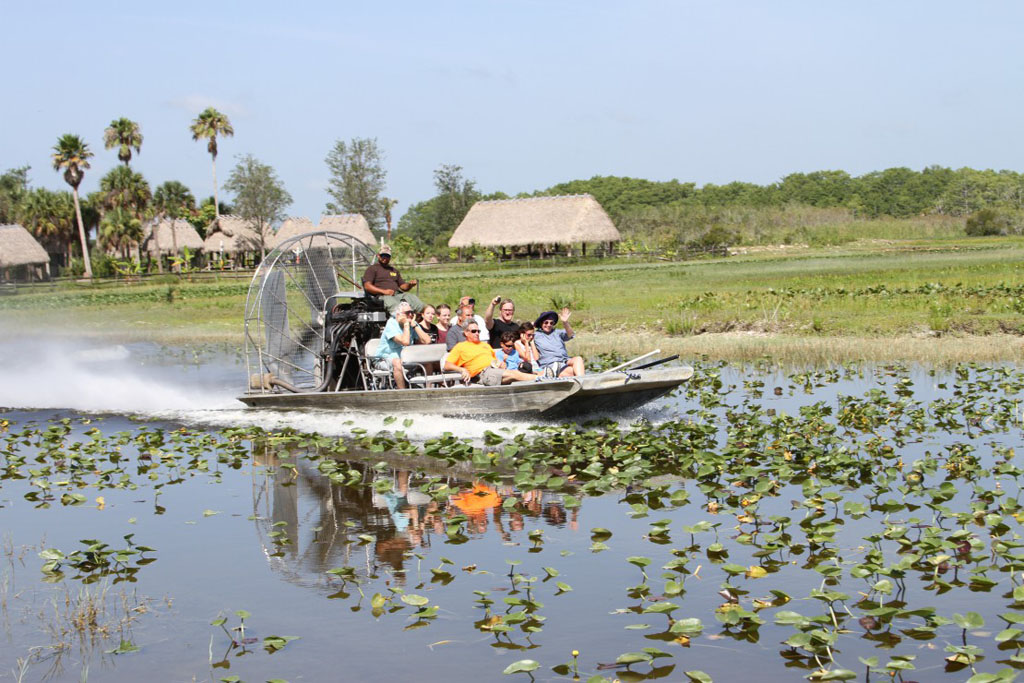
[473, 358]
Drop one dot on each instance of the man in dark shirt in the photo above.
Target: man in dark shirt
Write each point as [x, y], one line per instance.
[385, 281]
[503, 323]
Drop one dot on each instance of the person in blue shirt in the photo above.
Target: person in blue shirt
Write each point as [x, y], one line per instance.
[554, 359]
[397, 333]
[506, 353]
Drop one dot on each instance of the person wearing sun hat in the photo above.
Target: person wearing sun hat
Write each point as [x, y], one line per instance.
[554, 358]
[385, 281]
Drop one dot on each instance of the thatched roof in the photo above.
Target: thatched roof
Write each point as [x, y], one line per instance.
[290, 228]
[232, 235]
[535, 220]
[349, 223]
[161, 237]
[19, 248]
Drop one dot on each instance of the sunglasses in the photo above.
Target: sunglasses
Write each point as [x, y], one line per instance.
[506, 346]
[530, 336]
[472, 331]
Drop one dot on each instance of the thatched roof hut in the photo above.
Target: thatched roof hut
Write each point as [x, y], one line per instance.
[232, 235]
[290, 228]
[19, 248]
[349, 223]
[162, 237]
[568, 219]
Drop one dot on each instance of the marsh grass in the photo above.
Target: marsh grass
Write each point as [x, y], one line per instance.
[854, 299]
[85, 618]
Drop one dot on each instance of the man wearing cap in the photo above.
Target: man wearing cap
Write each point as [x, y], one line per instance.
[385, 281]
[554, 359]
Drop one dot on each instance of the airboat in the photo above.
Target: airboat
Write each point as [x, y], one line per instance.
[310, 331]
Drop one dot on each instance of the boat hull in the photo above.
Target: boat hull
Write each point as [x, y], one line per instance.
[601, 392]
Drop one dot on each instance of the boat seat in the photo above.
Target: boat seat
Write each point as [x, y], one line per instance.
[377, 378]
[418, 356]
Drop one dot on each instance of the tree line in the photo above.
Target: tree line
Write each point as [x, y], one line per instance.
[675, 211]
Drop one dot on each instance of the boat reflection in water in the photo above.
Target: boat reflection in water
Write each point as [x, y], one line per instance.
[308, 524]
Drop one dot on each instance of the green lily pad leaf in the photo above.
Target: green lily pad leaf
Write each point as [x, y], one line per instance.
[698, 676]
[687, 627]
[639, 561]
[734, 569]
[969, 620]
[124, 648]
[563, 587]
[1008, 634]
[242, 614]
[522, 666]
[637, 627]
[837, 675]
[655, 652]
[661, 607]
[551, 571]
[378, 600]
[274, 643]
[210, 513]
[415, 600]
[633, 658]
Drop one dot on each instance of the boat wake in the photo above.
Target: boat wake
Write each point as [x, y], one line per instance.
[149, 381]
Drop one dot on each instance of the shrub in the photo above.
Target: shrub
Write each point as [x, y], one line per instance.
[989, 222]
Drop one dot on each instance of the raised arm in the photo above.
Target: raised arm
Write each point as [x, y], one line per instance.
[489, 313]
[565, 322]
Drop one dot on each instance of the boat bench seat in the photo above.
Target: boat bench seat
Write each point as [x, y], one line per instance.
[419, 356]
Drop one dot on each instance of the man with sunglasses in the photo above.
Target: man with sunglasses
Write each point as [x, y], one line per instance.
[475, 360]
[386, 282]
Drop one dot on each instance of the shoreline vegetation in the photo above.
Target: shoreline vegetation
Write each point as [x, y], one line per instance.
[936, 301]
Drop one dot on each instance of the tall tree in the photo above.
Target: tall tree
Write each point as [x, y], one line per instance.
[125, 135]
[357, 179]
[13, 186]
[387, 204]
[207, 126]
[456, 196]
[71, 154]
[259, 196]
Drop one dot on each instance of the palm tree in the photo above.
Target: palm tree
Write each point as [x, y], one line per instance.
[120, 230]
[50, 217]
[209, 125]
[124, 188]
[173, 200]
[71, 154]
[125, 135]
[388, 204]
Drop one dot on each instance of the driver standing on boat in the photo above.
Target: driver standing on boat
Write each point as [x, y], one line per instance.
[385, 281]
[397, 333]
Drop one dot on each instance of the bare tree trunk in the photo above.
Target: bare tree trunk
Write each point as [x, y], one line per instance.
[81, 234]
[216, 202]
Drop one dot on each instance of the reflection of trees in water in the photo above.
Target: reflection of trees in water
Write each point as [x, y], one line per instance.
[322, 521]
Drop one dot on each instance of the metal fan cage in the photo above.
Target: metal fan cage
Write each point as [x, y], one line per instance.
[289, 300]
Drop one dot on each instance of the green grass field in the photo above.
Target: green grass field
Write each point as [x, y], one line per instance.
[935, 301]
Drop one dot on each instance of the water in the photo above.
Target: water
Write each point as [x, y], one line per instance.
[262, 531]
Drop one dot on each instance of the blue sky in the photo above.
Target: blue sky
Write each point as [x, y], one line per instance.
[521, 94]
